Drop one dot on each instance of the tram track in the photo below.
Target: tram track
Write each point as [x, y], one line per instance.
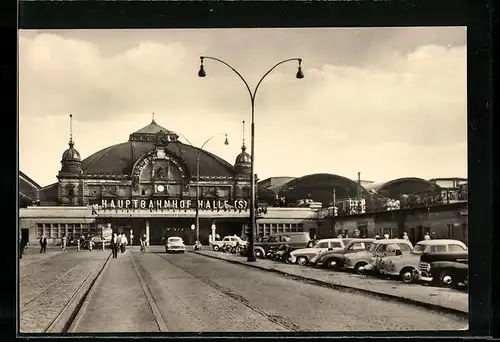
[54, 308]
[47, 288]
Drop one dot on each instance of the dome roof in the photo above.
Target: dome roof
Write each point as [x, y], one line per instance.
[119, 159]
[408, 185]
[319, 187]
[71, 154]
[243, 157]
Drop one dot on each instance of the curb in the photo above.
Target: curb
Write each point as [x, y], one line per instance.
[72, 321]
[352, 289]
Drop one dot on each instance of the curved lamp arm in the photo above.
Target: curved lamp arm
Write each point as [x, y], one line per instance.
[270, 70]
[218, 135]
[235, 71]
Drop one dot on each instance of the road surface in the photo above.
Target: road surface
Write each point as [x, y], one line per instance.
[156, 291]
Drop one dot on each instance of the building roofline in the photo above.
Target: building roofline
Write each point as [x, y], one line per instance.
[29, 180]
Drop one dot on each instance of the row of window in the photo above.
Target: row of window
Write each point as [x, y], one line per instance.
[58, 230]
[265, 229]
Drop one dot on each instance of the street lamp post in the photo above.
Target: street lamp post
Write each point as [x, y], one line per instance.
[226, 142]
[299, 75]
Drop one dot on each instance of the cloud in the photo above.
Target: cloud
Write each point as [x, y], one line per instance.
[407, 96]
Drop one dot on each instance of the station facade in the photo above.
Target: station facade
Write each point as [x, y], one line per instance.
[148, 185]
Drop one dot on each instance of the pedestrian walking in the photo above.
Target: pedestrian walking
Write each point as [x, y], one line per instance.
[386, 236]
[119, 245]
[124, 243]
[91, 245]
[144, 239]
[427, 236]
[63, 242]
[43, 244]
[377, 237]
[405, 236]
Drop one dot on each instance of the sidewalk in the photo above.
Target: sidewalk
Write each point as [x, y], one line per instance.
[435, 297]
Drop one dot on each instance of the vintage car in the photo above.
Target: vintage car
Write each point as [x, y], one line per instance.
[356, 254]
[304, 255]
[397, 262]
[227, 240]
[293, 241]
[444, 268]
[175, 244]
[383, 248]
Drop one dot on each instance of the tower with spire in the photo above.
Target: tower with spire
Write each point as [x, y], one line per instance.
[71, 171]
[243, 162]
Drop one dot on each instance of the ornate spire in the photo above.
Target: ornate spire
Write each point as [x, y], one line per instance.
[153, 121]
[71, 143]
[243, 147]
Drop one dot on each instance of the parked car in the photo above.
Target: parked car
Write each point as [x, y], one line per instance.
[444, 268]
[405, 265]
[304, 255]
[381, 264]
[294, 240]
[227, 240]
[356, 254]
[175, 244]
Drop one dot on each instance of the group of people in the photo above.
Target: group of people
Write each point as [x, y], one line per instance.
[120, 241]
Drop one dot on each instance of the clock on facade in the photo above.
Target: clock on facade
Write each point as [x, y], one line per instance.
[160, 188]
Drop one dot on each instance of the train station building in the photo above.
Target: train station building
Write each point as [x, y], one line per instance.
[147, 185]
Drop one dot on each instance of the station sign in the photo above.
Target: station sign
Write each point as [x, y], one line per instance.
[133, 204]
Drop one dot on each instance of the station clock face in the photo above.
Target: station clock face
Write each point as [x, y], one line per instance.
[160, 188]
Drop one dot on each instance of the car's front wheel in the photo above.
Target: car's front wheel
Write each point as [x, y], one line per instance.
[302, 261]
[358, 266]
[407, 275]
[215, 248]
[446, 278]
[259, 254]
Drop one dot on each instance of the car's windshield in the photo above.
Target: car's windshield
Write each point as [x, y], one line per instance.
[419, 248]
[174, 240]
[373, 247]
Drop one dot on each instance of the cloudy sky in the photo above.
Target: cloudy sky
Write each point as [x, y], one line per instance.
[388, 102]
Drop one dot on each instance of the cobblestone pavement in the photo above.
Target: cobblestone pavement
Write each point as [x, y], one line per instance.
[442, 297]
[46, 285]
[195, 293]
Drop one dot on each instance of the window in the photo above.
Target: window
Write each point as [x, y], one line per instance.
[143, 192]
[300, 227]
[357, 246]
[54, 231]
[322, 245]
[71, 192]
[70, 229]
[456, 248]
[404, 247]
[336, 244]
[438, 249]
[285, 238]
[46, 231]
[39, 230]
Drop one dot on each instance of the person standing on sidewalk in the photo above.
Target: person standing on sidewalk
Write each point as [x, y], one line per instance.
[22, 245]
[114, 245]
[43, 244]
[63, 242]
[119, 243]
